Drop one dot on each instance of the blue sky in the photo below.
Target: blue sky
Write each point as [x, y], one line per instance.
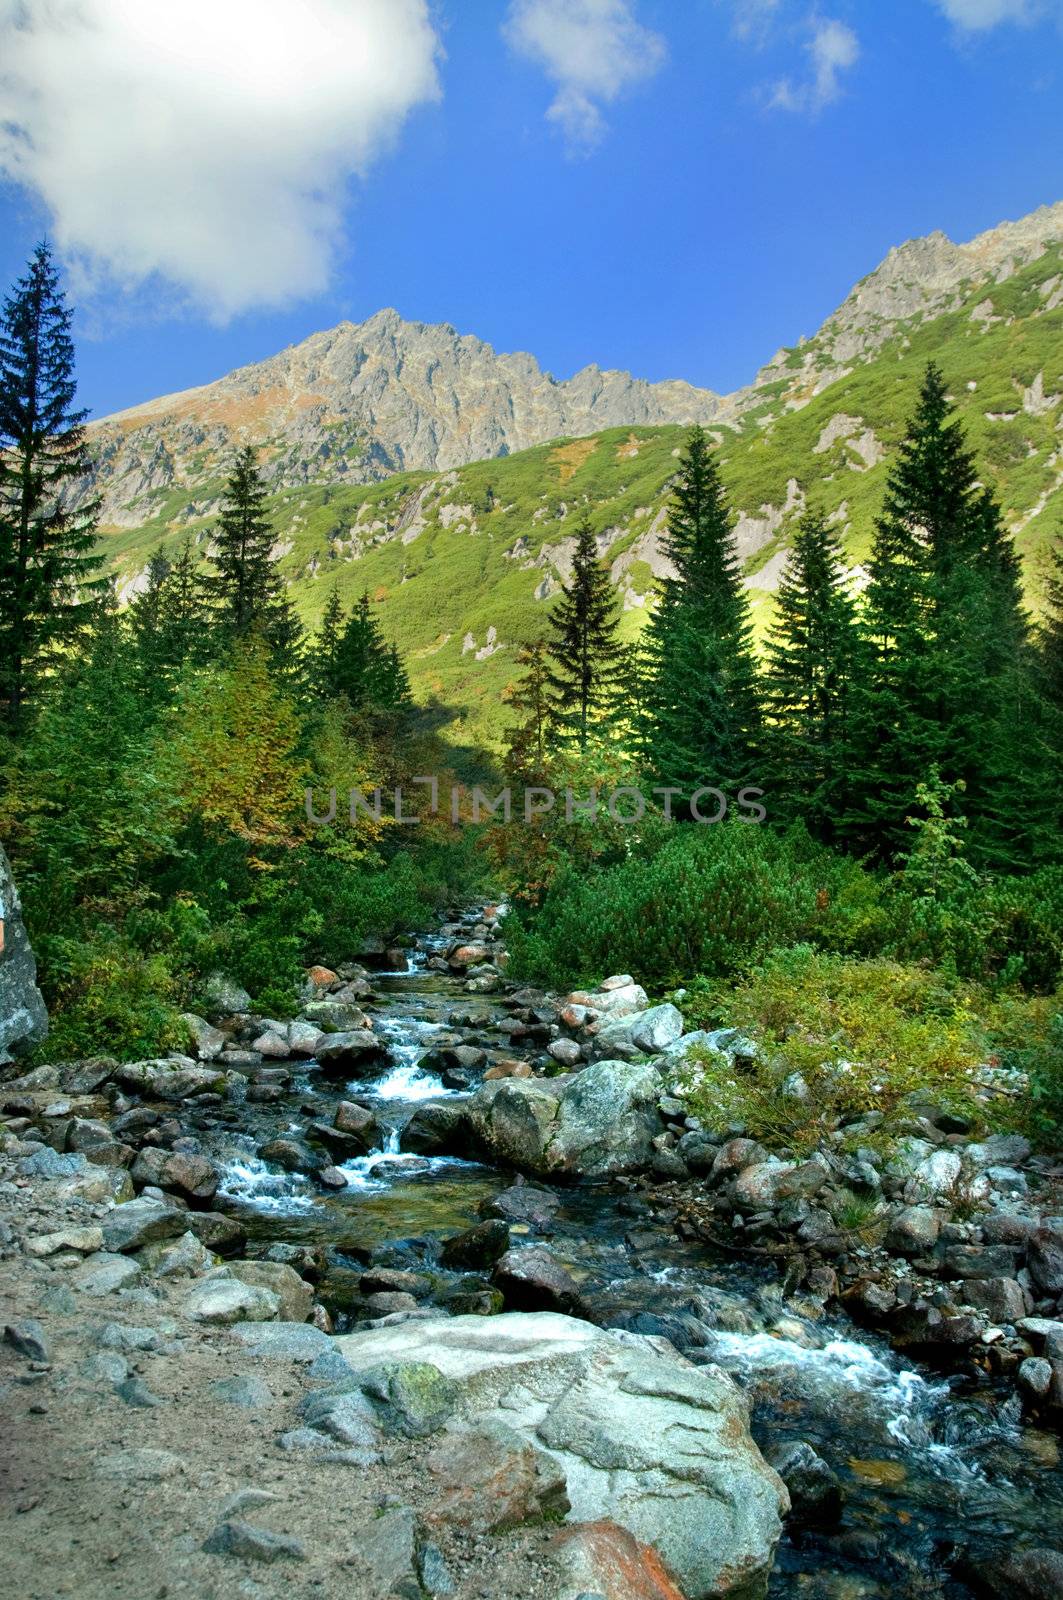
[676, 187]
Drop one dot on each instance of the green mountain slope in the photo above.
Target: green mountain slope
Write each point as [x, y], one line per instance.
[462, 563]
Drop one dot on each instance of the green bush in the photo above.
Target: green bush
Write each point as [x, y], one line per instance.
[106, 998]
[836, 1038]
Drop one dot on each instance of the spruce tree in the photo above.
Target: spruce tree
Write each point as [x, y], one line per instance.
[326, 646]
[702, 701]
[584, 647]
[948, 677]
[532, 700]
[184, 637]
[245, 589]
[49, 575]
[369, 673]
[811, 665]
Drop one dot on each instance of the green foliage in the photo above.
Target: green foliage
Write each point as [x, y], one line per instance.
[107, 998]
[702, 716]
[49, 570]
[705, 900]
[859, 1036]
[584, 646]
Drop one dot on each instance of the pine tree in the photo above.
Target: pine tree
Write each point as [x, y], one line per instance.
[145, 611]
[1050, 679]
[584, 648]
[369, 672]
[326, 647]
[527, 740]
[245, 589]
[185, 636]
[808, 684]
[702, 704]
[49, 575]
[947, 640]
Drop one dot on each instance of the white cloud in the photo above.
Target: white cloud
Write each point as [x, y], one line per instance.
[832, 49]
[753, 19]
[976, 15]
[592, 49]
[206, 143]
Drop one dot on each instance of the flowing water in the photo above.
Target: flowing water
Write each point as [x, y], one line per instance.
[932, 1466]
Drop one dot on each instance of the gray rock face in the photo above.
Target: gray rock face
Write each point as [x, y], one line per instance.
[645, 1033]
[358, 401]
[600, 1122]
[638, 1433]
[23, 1018]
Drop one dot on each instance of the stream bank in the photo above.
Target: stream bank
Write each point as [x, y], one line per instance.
[348, 1185]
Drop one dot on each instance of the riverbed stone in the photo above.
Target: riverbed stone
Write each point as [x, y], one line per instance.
[284, 1341]
[525, 1204]
[477, 1248]
[492, 1477]
[236, 1538]
[141, 1222]
[171, 1078]
[357, 1051]
[816, 1493]
[602, 1561]
[227, 1300]
[193, 1176]
[103, 1273]
[767, 1184]
[531, 1279]
[293, 1294]
[1045, 1258]
[642, 1436]
[596, 1124]
[643, 1033]
[1001, 1299]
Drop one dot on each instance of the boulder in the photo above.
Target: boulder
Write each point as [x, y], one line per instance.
[194, 1177]
[220, 1234]
[437, 1127]
[640, 1435]
[816, 1493]
[226, 1300]
[208, 1042]
[532, 1280]
[603, 1560]
[618, 1000]
[1001, 1299]
[523, 1204]
[303, 1037]
[23, 1017]
[141, 1222]
[593, 1125]
[1045, 1258]
[914, 1230]
[170, 1078]
[644, 1033]
[1019, 1575]
[358, 1052]
[294, 1295]
[766, 1185]
[222, 996]
[490, 1478]
[566, 1051]
[477, 1248]
[290, 1154]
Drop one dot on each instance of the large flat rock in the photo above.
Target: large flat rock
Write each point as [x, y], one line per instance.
[642, 1436]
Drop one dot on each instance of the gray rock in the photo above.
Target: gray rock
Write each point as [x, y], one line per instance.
[358, 1051]
[641, 1435]
[239, 1390]
[816, 1493]
[1001, 1299]
[914, 1230]
[567, 1051]
[135, 1392]
[348, 1418]
[477, 1248]
[223, 997]
[207, 1042]
[170, 1078]
[141, 1222]
[524, 1203]
[596, 1124]
[1045, 1259]
[284, 1341]
[143, 1465]
[386, 1549]
[23, 1016]
[409, 1398]
[253, 1544]
[294, 1295]
[1024, 1575]
[1035, 1376]
[531, 1279]
[490, 1478]
[767, 1184]
[183, 1258]
[225, 1301]
[27, 1337]
[104, 1273]
[644, 1033]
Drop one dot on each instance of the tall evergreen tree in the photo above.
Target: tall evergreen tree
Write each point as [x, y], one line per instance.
[49, 575]
[245, 589]
[326, 646]
[184, 632]
[808, 685]
[532, 700]
[584, 647]
[368, 671]
[703, 713]
[947, 639]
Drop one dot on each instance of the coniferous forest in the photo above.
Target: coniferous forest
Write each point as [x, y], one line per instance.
[880, 770]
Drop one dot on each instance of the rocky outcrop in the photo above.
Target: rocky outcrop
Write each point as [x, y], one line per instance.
[632, 1431]
[594, 1125]
[23, 1018]
[358, 401]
